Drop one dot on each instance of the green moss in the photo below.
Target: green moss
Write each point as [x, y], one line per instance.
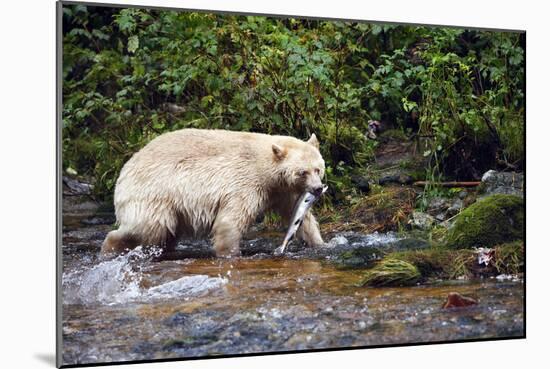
[438, 234]
[439, 262]
[488, 222]
[391, 272]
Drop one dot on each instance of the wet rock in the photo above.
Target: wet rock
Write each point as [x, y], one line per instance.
[421, 220]
[391, 272]
[410, 244]
[81, 205]
[507, 183]
[455, 300]
[74, 187]
[338, 241]
[441, 217]
[99, 220]
[191, 249]
[261, 246]
[488, 222]
[178, 319]
[456, 207]
[438, 205]
[361, 183]
[377, 240]
[358, 258]
[400, 178]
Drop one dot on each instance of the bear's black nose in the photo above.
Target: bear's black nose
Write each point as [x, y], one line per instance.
[318, 190]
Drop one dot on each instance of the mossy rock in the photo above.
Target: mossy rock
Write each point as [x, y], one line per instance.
[437, 262]
[391, 272]
[361, 257]
[493, 220]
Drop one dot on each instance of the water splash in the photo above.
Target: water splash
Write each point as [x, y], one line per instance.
[354, 239]
[193, 285]
[120, 280]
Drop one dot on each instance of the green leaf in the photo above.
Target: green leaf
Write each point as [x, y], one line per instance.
[125, 21]
[133, 43]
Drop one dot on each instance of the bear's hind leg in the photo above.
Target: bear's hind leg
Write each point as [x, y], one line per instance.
[118, 242]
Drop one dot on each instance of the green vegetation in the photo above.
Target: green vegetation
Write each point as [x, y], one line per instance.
[391, 272]
[132, 74]
[444, 263]
[488, 222]
[439, 262]
[509, 258]
[386, 208]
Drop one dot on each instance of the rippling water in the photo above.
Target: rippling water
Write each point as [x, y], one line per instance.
[135, 307]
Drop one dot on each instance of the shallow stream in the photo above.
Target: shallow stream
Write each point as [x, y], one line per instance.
[135, 307]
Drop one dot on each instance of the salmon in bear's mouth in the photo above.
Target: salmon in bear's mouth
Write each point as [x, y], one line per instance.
[304, 203]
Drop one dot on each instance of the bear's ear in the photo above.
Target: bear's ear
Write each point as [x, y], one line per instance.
[278, 151]
[313, 141]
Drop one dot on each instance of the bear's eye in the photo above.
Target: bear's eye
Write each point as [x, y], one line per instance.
[317, 170]
[303, 173]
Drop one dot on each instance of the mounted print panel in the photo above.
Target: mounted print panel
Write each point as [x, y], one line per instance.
[238, 184]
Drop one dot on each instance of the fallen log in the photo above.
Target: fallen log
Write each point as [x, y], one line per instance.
[446, 184]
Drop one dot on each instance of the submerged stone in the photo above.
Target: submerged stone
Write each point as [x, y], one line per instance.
[488, 222]
[358, 258]
[411, 244]
[455, 299]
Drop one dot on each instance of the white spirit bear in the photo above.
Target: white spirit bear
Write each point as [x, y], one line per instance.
[193, 183]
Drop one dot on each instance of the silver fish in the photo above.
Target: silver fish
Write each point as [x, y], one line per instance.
[304, 203]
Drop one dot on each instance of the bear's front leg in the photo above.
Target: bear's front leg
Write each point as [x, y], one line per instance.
[309, 231]
[227, 232]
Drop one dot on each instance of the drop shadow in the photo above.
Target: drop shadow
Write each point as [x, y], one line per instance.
[46, 358]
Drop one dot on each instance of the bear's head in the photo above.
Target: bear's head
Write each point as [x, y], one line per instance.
[300, 164]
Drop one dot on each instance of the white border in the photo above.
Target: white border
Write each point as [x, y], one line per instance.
[28, 180]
